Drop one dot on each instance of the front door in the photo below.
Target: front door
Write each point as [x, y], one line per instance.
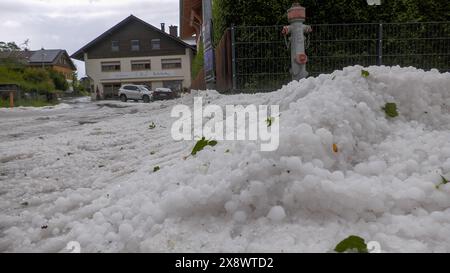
[110, 90]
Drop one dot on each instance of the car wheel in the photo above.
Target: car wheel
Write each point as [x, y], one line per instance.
[146, 99]
[123, 98]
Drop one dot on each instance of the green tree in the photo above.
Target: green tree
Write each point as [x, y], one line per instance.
[59, 80]
[78, 87]
[24, 45]
[9, 46]
[75, 82]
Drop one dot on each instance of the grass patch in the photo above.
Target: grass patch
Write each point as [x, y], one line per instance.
[28, 103]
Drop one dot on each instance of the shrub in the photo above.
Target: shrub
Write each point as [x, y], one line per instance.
[58, 80]
[197, 63]
[37, 79]
[27, 102]
[28, 79]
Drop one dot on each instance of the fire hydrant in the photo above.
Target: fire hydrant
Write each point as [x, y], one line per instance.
[296, 17]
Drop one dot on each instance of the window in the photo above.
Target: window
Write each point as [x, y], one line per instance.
[111, 90]
[134, 45]
[156, 44]
[141, 65]
[130, 88]
[173, 85]
[115, 46]
[171, 63]
[110, 66]
[148, 85]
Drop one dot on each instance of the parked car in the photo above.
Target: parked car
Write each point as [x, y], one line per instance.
[164, 94]
[135, 92]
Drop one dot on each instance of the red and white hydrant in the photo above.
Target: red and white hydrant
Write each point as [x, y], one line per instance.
[296, 16]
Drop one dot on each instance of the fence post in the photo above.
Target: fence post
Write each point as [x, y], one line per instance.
[233, 55]
[380, 45]
[11, 99]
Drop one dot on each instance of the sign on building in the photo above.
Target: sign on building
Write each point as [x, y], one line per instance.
[208, 45]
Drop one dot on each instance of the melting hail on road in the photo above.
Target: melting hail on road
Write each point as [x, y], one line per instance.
[362, 151]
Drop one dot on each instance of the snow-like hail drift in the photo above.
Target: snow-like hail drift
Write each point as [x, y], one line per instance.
[342, 168]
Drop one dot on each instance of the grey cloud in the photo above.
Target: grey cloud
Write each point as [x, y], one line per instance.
[70, 25]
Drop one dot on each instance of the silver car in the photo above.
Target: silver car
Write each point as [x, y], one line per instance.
[135, 92]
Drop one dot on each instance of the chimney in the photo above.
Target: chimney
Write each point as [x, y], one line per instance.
[163, 27]
[173, 30]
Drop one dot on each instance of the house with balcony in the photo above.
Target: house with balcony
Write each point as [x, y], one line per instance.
[135, 52]
[55, 59]
[191, 20]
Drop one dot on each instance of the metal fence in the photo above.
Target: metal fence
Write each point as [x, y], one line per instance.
[261, 59]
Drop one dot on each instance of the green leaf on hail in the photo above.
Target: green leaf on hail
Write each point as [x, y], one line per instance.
[390, 109]
[201, 144]
[352, 243]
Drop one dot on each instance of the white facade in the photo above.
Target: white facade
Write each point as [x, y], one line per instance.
[102, 81]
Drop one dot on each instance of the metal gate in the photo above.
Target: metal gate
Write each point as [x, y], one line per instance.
[260, 59]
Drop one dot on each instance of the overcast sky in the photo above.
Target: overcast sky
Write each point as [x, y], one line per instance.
[70, 24]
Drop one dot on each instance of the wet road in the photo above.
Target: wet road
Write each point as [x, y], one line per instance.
[30, 122]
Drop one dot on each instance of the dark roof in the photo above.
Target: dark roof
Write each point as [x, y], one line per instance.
[22, 56]
[46, 56]
[79, 54]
